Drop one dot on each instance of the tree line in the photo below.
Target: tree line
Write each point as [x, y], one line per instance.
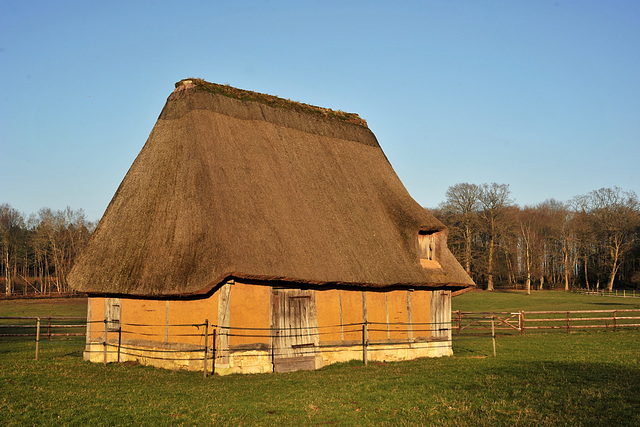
[591, 241]
[38, 251]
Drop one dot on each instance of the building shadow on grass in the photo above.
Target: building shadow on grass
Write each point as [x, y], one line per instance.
[575, 393]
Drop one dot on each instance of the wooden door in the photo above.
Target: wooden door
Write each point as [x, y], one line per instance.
[294, 324]
[112, 313]
[441, 315]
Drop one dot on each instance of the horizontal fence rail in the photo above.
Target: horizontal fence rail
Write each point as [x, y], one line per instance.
[209, 342]
[50, 326]
[620, 293]
[521, 321]
[39, 327]
[205, 340]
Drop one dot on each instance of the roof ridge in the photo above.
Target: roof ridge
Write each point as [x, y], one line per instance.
[271, 100]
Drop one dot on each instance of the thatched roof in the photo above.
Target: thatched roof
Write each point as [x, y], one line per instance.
[230, 187]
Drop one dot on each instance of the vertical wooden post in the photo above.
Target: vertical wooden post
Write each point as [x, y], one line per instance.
[104, 344]
[166, 321]
[493, 335]
[365, 340]
[275, 340]
[49, 328]
[614, 320]
[224, 321]
[119, 340]
[341, 317]
[568, 322]
[213, 353]
[522, 322]
[206, 346]
[409, 316]
[37, 337]
[459, 320]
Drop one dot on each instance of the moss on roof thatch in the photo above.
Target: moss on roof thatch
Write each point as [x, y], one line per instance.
[231, 188]
[271, 100]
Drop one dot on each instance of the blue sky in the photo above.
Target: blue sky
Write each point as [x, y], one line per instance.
[541, 95]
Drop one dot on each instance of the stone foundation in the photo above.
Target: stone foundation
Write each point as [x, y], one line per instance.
[190, 358]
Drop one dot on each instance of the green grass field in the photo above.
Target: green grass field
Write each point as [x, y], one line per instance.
[584, 378]
[538, 301]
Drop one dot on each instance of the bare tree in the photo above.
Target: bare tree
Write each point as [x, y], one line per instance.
[494, 199]
[530, 228]
[11, 224]
[463, 202]
[65, 233]
[616, 219]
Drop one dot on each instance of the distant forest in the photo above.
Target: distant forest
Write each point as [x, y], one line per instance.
[591, 241]
[39, 251]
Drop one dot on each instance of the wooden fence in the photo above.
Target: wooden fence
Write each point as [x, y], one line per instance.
[521, 321]
[42, 327]
[462, 323]
[620, 293]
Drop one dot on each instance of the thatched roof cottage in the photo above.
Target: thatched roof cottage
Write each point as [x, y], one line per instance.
[261, 214]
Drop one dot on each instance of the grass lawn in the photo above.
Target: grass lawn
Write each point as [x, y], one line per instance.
[61, 307]
[538, 301]
[583, 378]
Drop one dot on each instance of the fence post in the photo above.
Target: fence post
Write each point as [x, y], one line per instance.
[206, 345]
[49, 328]
[568, 322]
[459, 321]
[213, 353]
[274, 340]
[119, 339]
[365, 339]
[104, 344]
[37, 337]
[522, 322]
[493, 335]
[614, 320]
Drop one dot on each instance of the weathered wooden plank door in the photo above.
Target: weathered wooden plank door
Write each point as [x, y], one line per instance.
[441, 315]
[112, 313]
[294, 324]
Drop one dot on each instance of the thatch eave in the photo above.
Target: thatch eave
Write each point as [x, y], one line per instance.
[283, 282]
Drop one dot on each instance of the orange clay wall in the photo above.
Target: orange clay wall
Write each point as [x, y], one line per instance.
[96, 310]
[398, 314]
[387, 313]
[143, 319]
[421, 314]
[351, 313]
[250, 308]
[328, 309]
[146, 320]
[376, 313]
[187, 318]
